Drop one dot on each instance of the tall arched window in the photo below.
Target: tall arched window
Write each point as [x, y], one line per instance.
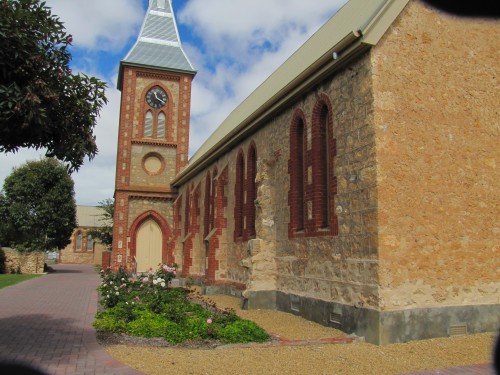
[297, 175]
[90, 243]
[208, 201]
[160, 134]
[239, 195]
[322, 169]
[187, 211]
[148, 125]
[79, 242]
[212, 199]
[251, 189]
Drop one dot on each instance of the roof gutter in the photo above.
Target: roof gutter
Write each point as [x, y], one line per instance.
[332, 60]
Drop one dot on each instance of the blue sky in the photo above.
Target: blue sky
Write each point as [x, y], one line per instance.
[234, 46]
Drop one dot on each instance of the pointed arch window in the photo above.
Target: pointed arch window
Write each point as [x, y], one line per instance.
[148, 125]
[79, 241]
[251, 190]
[161, 126]
[208, 201]
[90, 243]
[297, 192]
[322, 169]
[239, 196]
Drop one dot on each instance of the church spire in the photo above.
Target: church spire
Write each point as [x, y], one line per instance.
[158, 44]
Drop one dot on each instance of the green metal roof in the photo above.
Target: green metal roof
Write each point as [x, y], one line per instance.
[358, 25]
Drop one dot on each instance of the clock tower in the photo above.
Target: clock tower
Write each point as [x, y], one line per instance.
[155, 83]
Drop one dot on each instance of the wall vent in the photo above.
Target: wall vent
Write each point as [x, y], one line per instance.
[458, 329]
[295, 303]
[336, 315]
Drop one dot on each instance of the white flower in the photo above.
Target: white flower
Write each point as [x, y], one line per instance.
[155, 282]
[123, 279]
[110, 283]
[163, 284]
[117, 293]
[116, 288]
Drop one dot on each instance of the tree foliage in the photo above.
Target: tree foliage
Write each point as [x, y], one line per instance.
[104, 234]
[38, 209]
[42, 104]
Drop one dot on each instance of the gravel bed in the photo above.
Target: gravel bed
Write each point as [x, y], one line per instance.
[154, 357]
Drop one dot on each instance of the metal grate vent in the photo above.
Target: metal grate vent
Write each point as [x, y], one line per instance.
[458, 329]
[335, 318]
[295, 303]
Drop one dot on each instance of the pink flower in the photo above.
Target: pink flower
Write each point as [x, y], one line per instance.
[209, 330]
[145, 280]
[209, 321]
[174, 272]
[166, 268]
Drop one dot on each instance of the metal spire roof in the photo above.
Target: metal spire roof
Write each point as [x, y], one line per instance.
[158, 44]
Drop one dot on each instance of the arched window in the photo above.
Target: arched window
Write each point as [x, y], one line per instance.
[90, 243]
[212, 199]
[239, 195]
[208, 201]
[160, 134]
[187, 210]
[79, 242]
[251, 190]
[148, 125]
[322, 169]
[297, 203]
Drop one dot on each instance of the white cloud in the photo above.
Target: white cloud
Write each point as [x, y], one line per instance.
[99, 25]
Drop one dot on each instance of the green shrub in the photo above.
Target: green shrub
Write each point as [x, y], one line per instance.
[149, 308]
[242, 331]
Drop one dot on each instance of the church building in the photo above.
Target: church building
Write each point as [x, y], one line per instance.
[356, 187]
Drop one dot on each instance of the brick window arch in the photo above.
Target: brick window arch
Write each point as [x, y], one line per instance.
[208, 204]
[296, 197]
[322, 171]
[187, 210]
[212, 199]
[251, 189]
[239, 191]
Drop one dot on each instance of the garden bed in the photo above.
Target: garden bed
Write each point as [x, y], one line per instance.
[146, 311]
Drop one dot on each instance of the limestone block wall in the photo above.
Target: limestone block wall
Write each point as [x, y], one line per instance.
[437, 95]
[26, 263]
[161, 171]
[337, 268]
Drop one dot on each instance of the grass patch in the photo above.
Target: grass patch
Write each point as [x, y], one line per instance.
[148, 307]
[12, 279]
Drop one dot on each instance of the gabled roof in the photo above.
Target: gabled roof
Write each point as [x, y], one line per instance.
[358, 25]
[158, 45]
[89, 216]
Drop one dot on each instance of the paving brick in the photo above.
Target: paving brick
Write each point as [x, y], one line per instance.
[47, 323]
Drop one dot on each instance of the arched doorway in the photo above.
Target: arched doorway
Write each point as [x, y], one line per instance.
[148, 246]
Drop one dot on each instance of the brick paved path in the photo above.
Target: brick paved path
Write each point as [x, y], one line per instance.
[47, 323]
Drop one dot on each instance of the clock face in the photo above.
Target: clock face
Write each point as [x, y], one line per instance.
[156, 97]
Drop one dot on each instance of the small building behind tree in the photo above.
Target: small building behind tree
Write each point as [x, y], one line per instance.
[84, 248]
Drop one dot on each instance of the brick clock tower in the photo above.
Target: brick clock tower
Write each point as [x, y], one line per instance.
[155, 81]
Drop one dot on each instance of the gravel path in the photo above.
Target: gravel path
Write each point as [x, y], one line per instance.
[308, 355]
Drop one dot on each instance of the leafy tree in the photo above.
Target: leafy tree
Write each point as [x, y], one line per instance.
[104, 234]
[42, 104]
[38, 208]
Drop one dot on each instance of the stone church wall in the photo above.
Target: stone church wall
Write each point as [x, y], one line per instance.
[436, 96]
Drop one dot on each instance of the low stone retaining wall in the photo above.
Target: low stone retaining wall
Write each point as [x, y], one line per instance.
[26, 263]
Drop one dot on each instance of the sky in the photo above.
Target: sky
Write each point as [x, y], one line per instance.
[233, 45]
